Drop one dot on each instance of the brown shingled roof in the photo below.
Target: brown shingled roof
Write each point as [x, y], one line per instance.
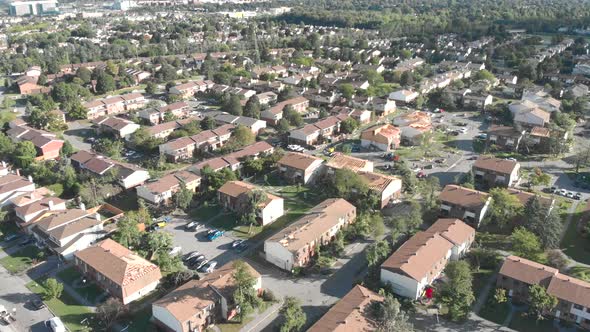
[350, 313]
[418, 255]
[462, 196]
[454, 230]
[527, 271]
[570, 289]
[498, 165]
[340, 160]
[120, 265]
[298, 160]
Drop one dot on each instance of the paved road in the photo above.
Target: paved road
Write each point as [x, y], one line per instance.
[317, 293]
[14, 295]
[76, 133]
[218, 250]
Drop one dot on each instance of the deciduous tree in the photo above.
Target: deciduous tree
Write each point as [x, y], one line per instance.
[293, 316]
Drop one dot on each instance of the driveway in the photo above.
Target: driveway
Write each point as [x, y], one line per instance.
[76, 133]
[14, 295]
[219, 250]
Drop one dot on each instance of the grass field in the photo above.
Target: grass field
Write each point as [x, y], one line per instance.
[574, 244]
[21, 260]
[90, 291]
[75, 316]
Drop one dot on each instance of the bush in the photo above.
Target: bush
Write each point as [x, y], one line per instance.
[268, 296]
[483, 259]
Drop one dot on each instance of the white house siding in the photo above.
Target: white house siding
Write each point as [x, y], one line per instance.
[278, 255]
[514, 175]
[90, 237]
[140, 293]
[312, 172]
[135, 179]
[4, 197]
[393, 188]
[166, 318]
[146, 194]
[402, 285]
[273, 211]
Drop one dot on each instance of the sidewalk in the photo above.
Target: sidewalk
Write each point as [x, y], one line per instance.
[262, 320]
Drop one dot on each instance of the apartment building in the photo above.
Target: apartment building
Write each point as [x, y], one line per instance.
[299, 167]
[463, 203]
[492, 172]
[162, 190]
[237, 196]
[117, 270]
[294, 246]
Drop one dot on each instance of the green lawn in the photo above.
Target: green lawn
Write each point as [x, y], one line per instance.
[522, 322]
[574, 244]
[580, 272]
[496, 313]
[480, 279]
[140, 321]
[71, 276]
[21, 260]
[67, 308]
[205, 213]
[237, 326]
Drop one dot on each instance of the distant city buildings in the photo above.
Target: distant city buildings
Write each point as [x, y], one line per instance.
[32, 8]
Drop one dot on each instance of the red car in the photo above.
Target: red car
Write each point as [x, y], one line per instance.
[421, 175]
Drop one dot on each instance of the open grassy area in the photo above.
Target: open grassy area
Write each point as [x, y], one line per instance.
[480, 279]
[522, 322]
[205, 212]
[140, 321]
[580, 272]
[21, 260]
[237, 326]
[89, 291]
[574, 244]
[75, 316]
[493, 312]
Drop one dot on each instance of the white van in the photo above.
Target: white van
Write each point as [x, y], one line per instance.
[55, 325]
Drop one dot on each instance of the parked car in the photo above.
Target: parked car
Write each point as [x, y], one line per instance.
[196, 261]
[55, 324]
[12, 236]
[214, 235]
[356, 148]
[562, 192]
[578, 196]
[190, 225]
[199, 264]
[37, 304]
[242, 246]
[236, 243]
[175, 251]
[569, 194]
[209, 267]
[27, 241]
[440, 161]
[421, 175]
[190, 255]
[553, 189]
[482, 136]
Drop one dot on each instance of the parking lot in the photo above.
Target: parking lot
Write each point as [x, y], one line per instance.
[219, 249]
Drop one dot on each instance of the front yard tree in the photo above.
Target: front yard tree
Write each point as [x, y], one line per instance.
[158, 242]
[184, 196]
[349, 125]
[128, 233]
[232, 105]
[108, 312]
[409, 182]
[538, 178]
[525, 243]
[53, 289]
[390, 317]
[252, 108]
[540, 301]
[25, 153]
[377, 251]
[545, 224]
[504, 207]
[293, 316]
[291, 115]
[500, 295]
[245, 292]
[457, 292]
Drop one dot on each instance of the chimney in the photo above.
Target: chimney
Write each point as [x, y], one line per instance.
[97, 217]
[3, 163]
[30, 178]
[50, 205]
[18, 171]
[82, 206]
